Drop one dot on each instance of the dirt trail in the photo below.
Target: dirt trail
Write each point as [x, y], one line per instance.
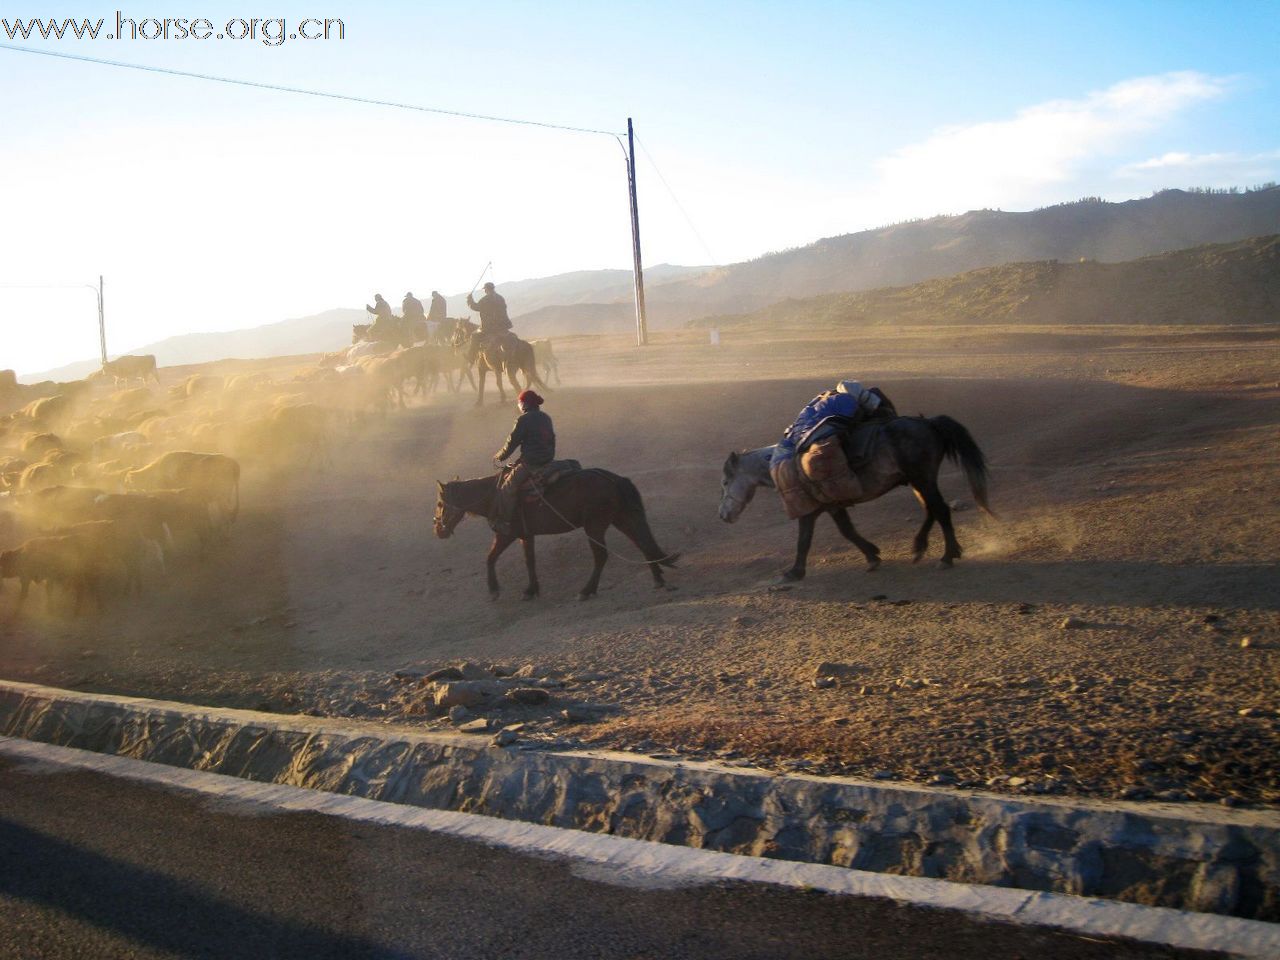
[1135, 477]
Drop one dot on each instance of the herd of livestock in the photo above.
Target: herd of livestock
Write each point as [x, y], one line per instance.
[107, 480]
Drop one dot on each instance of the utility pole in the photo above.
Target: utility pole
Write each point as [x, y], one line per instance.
[642, 325]
[102, 325]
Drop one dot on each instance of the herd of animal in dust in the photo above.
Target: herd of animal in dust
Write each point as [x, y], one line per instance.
[108, 481]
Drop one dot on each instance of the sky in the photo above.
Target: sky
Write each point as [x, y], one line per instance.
[763, 126]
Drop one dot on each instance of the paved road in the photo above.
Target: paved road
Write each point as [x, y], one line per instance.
[97, 868]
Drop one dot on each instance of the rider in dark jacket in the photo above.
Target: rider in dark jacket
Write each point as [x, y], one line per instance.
[438, 308]
[411, 308]
[535, 437]
[493, 312]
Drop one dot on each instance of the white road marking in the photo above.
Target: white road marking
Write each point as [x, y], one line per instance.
[641, 863]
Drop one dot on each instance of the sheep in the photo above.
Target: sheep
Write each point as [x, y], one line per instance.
[65, 560]
[216, 476]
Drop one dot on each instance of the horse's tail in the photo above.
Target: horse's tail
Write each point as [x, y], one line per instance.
[635, 524]
[959, 446]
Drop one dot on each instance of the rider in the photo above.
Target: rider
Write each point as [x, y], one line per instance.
[535, 436]
[384, 321]
[493, 312]
[436, 316]
[411, 309]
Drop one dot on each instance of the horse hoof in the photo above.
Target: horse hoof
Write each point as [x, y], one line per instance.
[792, 575]
[584, 595]
[494, 594]
[945, 563]
[873, 565]
[916, 558]
[529, 595]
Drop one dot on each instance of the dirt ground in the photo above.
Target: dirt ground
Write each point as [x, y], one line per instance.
[1113, 633]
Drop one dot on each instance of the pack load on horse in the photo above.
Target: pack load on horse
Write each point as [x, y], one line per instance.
[869, 451]
[541, 495]
[809, 466]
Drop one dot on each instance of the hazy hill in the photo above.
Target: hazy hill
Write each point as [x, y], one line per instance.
[1219, 283]
[569, 289]
[907, 253]
[599, 301]
[331, 330]
[319, 333]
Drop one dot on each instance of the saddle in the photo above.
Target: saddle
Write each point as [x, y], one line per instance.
[544, 478]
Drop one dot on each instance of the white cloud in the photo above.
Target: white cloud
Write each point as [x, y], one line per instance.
[1026, 159]
[1236, 167]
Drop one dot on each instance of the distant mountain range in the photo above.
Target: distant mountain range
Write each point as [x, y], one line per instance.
[599, 301]
[1228, 283]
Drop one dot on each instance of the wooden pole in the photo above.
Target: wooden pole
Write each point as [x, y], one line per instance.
[642, 325]
[102, 325]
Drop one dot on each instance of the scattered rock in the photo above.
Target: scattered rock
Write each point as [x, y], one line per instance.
[837, 670]
[838, 721]
[1251, 712]
[1017, 781]
[473, 671]
[1072, 623]
[1025, 608]
[943, 779]
[539, 670]
[504, 738]
[408, 675]
[823, 683]
[577, 715]
[467, 693]
[881, 596]
[1246, 643]
[882, 775]
[459, 714]
[442, 675]
[530, 696]
[478, 725]
[502, 670]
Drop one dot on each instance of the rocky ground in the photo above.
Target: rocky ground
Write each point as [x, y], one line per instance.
[1113, 634]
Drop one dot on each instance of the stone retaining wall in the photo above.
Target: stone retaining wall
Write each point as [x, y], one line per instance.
[1193, 857]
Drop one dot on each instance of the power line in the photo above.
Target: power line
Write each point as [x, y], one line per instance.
[679, 206]
[310, 93]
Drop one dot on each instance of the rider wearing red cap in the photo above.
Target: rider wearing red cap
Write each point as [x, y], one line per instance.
[535, 437]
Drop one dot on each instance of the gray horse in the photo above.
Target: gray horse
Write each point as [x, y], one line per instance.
[909, 452]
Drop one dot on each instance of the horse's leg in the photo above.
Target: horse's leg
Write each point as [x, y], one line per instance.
[804, 540]
[869, 550]
[483, 371]
[497, 379]
[921, 542]
[500, 542]
[627, 528]
[531, 565]
[599, 554]
[941, 511]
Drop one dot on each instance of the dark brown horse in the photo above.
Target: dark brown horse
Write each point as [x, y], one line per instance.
[506, 353]
[910, 453]
[592, 500]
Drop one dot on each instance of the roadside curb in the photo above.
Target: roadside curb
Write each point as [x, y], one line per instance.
[1187, 857]
[649, 863]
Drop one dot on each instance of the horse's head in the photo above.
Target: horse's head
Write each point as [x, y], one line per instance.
[359, 332]
[448, 515]
[742, 475]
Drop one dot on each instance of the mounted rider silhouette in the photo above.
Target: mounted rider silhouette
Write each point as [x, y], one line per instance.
[384, 321]
[494, 322]
[535, 436]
